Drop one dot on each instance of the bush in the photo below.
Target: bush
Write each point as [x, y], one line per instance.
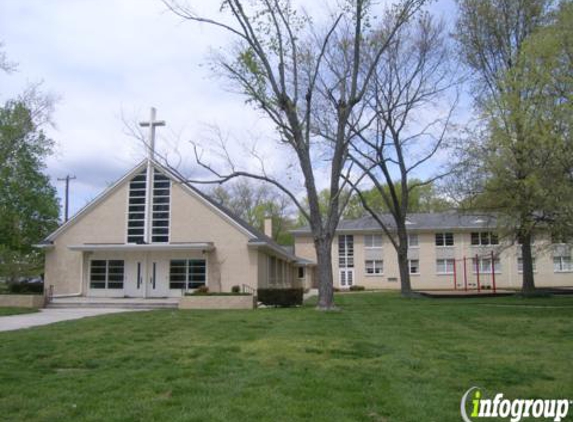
[280, 297]
[25, 288]
[201, 290]
[355, 288]
[236, 289]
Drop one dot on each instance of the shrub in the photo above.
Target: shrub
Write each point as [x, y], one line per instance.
[280, 297]
[201, 290]
[236, 289]
[26, 288]
[355, 288]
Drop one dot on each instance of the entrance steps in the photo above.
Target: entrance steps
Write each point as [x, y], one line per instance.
[113, 303]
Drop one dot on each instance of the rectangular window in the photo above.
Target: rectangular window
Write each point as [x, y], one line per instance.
[136, 208]
[373, 241]
[484, 265]
[520, 265]
[444, 239]
[346, 251]
[414, 266]
[300, 272]
[445, 266]
[413, 241]
[374, 266]
[484, 239]
[187, 273]
[160, 217]
[562, 264]
[106, 274]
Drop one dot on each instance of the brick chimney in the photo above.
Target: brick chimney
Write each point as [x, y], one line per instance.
[269, 226]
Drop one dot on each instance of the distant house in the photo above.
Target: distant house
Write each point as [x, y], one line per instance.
[446, 251]
[151, 234]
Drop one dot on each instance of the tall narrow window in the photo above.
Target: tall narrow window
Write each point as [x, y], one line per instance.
[161, 205]
[136, 210]
[137, 213]
[346, 251]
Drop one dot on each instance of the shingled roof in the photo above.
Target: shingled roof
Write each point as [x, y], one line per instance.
[450, 220]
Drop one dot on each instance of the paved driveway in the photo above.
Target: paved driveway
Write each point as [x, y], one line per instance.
[49, 316]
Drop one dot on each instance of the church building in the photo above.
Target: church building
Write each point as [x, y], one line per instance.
[152, 234]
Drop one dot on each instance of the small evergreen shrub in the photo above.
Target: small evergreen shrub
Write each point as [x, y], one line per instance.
[355, 288]
[280, 297]
[236, 289]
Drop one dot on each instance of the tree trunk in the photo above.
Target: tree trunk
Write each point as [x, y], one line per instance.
[405, 286]
[324, 274]
[528, 287]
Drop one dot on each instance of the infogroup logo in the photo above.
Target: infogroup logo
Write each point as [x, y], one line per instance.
[498, 407]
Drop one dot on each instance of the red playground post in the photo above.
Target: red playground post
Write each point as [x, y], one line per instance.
[477, 272]
[465, 275]
[493, 272]
[455, 276]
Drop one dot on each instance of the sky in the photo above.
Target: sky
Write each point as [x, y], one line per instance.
[108, 62]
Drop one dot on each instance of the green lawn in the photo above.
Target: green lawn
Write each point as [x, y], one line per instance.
[381, 358]
[16, 311]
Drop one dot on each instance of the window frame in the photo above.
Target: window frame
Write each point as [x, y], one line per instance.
[444, 236]
[482, 237]
[377, 270]
[446, 271]
[561, 259]
[372, 243]
[413, 236]
[185, 276]
[107, 281]
[497, 262]
[410, 266]
[346, 253]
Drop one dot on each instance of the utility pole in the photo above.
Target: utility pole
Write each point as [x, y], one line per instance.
[67, 198]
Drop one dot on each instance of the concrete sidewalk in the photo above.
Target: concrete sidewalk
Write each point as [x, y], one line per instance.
[50, 316]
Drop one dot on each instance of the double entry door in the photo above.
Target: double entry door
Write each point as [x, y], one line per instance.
[346, 277]
[147, 276]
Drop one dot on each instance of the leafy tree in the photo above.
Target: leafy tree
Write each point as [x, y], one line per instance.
[517, 165]
[423, 198]
[254, 202]
[29, 207]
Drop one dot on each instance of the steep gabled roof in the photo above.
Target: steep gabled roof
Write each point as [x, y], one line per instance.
[256, 237]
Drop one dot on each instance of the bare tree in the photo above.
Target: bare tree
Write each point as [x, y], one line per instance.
[279, 62]
[407, 117]
[254, 202]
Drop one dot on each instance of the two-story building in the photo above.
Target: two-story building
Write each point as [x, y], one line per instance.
[446, 251]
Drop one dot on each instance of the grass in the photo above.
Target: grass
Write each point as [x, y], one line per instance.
[16, 311]
[380, 359]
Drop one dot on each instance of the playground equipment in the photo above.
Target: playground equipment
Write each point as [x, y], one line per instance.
[476, 272]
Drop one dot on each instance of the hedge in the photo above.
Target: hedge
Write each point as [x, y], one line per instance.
[26, 288]
[280, 297]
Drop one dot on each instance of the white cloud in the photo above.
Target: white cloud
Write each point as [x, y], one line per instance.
[106, 58]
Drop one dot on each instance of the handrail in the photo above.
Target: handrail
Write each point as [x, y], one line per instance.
[245, 288]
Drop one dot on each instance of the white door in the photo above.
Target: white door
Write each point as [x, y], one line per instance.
[157, 278]
[346, 277]
[134, 276]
